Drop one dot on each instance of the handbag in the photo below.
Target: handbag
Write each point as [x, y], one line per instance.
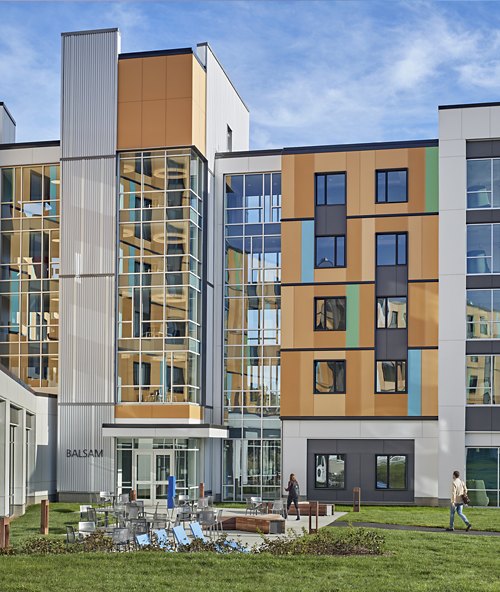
[465, 497]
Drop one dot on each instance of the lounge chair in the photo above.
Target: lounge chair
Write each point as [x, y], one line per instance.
[142, 540]
[197, 533]
[180, 536]
[162, 538]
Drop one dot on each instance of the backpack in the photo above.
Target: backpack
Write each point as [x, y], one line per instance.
[295, 489]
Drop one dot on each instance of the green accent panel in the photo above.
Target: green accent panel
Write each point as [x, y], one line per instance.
[352, 320]
[431, 179]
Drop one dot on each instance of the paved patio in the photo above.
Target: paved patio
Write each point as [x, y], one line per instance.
[253, 538]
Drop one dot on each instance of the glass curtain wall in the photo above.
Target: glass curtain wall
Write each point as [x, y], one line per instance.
[252, 324]
[29, 273]
[159, 276]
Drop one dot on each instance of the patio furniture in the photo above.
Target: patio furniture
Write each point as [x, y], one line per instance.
[207, 520]
[180, 536]
[162, 539]
[265, 523]
[83, 512]
[137, 526]
[123, 498]
[278, 507]
[197, 533]
[142, 540]
[254, 505]
[218, 521]
[70, 535]
[85, 528]
[120, 537]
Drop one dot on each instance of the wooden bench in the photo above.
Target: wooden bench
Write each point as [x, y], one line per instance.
[324, 509]
[265, 523]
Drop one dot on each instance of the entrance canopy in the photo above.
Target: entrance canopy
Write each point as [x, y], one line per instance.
[132, 430]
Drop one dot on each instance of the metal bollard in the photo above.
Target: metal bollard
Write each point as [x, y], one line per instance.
[356, 499]
[44, 517]
[4, 532]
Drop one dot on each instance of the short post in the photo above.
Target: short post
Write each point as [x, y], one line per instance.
[44, 517]
[4, 532]
[310, 519]
[317, 516]
[356, 499]
[132, 496]
[202, 490]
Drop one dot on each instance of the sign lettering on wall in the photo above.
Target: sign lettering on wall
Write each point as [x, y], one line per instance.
[84, 453]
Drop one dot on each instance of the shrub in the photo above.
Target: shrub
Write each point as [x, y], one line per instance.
[328, 541]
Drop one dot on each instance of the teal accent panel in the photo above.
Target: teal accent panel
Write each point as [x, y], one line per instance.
[352, 317]
[431, 179]
[307, 250]
[414, 372]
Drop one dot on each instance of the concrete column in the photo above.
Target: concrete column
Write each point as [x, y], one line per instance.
[4, 458]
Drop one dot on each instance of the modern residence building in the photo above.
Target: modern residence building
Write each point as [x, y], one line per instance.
[227, 316]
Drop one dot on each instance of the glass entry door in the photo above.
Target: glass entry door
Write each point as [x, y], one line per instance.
[152, 470]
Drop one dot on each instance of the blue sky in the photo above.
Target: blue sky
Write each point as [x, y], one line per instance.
[312, 72]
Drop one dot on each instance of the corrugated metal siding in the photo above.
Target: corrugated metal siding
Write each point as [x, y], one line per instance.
[80, 427]
[87, 329]
[88, 216]
[89, 94]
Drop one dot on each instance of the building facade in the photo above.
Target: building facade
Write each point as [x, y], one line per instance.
[230, 316]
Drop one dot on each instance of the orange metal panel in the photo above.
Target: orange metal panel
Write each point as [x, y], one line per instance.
[291, 256]
[288, 187]
[353, 166]
[129, 80]
[391, 405]
[422, 314]
[430, 382]
[143, 410]
[179, 122]
[180, 76]
[329, 405]
[154, 114]
[416, 180]
[304, 186]
[154, 78]
[366, 315]
[129, 125]
[430, 247]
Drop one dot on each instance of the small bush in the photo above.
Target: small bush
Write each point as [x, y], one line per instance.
[349, 541]
[97, 541]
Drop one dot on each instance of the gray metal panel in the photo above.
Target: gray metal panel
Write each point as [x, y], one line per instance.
[483, 149]
[482, 281]
[482, 216]
[89, 94]
[80, 429]
[330, 220]
[88, 217]
[360, 469]
[482, 346]
[392, 280]
[87, 328]
[478, 419]
[391, 344]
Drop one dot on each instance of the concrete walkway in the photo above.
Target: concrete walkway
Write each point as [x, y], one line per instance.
[414, 528]
[253, 538]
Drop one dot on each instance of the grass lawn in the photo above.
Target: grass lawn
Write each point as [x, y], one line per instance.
[414, 562]
[480, 518]
[28, 525]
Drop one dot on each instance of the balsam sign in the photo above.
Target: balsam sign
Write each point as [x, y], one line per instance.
[84, 453]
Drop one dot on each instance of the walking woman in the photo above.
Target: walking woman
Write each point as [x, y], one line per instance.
[293, 495]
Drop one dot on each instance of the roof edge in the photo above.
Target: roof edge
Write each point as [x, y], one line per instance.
[155, 53]
[90, 32]
[41, 144]
[469, 105]
[2, 104]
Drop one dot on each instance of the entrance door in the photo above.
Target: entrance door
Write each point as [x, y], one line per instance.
[152, 470]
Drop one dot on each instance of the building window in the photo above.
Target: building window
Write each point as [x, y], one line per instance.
[482, 380]
[331, 189]
[391, 376]
[391, 249]
[229, 139]
[483, 183]
[483, 314]
[391, 471]
[392, 186]
[329, 376]
[483, 476]
[329, 314]
[391, 313]
[330, 251]
[483, 248]
[329, 471]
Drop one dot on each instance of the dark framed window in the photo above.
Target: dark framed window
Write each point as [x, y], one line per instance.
[391, 376]
[391, 186]
[329, 376]
[391, 312]
[391, 249]
[391, 471]
[330, 251]
[329, 314]
[330, 189]
[329, 471]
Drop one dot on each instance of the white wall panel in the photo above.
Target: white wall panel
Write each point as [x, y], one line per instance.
[80, 430]
[89, 93]
[87, 328]
[88, 216]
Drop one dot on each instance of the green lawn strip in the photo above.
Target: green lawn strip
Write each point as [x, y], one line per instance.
[481, 518]
[414, 562]
[28, 525]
